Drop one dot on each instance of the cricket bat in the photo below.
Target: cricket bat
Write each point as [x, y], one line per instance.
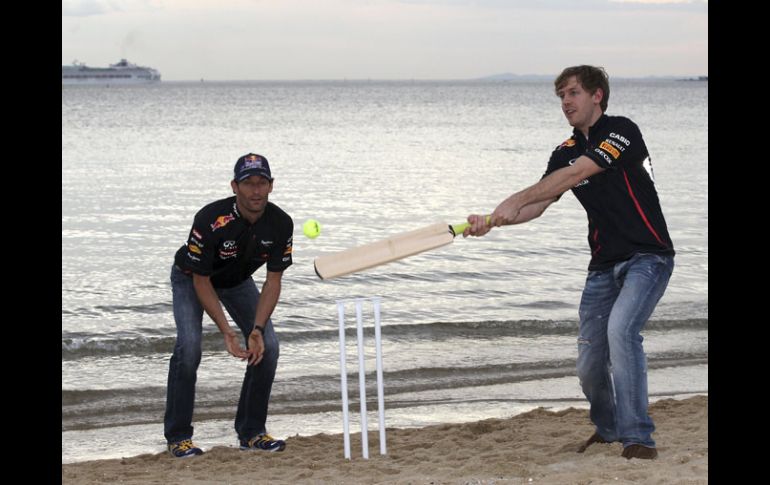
[396, 247]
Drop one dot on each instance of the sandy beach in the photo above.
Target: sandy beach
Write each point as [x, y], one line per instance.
[535, 447]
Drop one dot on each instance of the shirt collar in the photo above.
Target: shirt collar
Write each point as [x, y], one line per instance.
[591, 129]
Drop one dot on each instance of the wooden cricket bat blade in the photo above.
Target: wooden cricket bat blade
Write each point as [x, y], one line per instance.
[396, 247]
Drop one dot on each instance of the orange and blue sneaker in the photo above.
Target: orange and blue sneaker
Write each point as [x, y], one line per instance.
[184, 449]
[263, 442]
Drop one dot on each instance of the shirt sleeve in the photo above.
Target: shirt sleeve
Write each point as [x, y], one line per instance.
[618, 143]
[280, 256]
[556, 160]
[200, 248]
[552, 164]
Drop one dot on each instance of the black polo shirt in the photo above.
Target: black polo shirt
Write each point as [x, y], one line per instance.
[624, 214]
[225, 246]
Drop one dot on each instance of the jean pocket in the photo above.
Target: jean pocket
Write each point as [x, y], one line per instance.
[658, 265]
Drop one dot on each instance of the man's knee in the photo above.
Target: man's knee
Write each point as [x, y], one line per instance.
[272, 351]
[188, 353]
[591, 362]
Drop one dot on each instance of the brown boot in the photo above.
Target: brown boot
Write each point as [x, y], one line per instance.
[639, 451]
[595, 438]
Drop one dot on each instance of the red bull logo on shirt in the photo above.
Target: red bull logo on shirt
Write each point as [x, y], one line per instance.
[569, 142]
[222, 221]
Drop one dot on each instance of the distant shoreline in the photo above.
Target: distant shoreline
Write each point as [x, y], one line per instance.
[520, 79]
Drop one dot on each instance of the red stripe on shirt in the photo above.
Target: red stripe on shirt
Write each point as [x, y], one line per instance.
[641, 212]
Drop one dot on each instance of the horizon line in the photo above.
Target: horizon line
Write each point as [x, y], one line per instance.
[493, 78]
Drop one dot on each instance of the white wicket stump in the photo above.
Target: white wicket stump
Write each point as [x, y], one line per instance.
[361, 376]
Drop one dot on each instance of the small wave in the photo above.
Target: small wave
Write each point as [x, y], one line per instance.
[92, 408]
[100, 310]
[76, 346]
[153, 308]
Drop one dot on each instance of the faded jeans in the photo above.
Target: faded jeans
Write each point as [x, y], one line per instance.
[611, 364]
[240, 302]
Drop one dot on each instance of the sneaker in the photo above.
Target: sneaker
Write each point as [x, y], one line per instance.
[639, 451]
[263, 442]
[183, 449]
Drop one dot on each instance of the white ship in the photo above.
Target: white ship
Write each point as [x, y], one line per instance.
[121, 73]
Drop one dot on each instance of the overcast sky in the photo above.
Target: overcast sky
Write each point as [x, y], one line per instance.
[387, 39]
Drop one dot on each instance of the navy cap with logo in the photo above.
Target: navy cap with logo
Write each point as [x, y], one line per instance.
[252, 164]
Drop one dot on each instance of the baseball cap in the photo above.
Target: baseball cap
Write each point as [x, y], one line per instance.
[252, 164]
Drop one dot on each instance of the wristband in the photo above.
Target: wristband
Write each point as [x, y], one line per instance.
[261, 329]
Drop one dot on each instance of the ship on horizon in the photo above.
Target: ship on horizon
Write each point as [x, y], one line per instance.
[122, 72]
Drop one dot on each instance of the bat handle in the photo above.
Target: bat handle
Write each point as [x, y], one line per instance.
[456, 229]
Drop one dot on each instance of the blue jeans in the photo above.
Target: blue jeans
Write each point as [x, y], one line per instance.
[240, 302]
[611, 364]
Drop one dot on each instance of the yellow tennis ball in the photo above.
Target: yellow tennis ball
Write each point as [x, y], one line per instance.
[311, 228]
